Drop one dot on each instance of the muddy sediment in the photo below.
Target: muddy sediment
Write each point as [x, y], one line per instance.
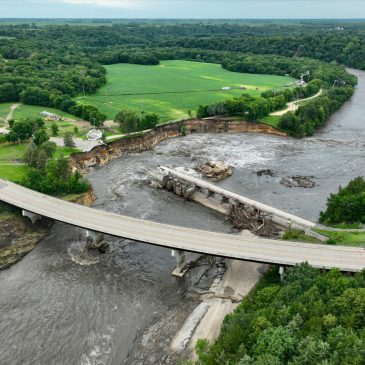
[18, 237]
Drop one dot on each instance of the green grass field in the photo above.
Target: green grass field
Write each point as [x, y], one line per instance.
[12, 166]
[4, 111]
[32, 111]
[174, 87]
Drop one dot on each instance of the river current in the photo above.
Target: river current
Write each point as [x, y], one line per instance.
[64, 305]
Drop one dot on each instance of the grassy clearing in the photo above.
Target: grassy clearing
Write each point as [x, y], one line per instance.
[14, 173]
[11, 165]
[295, 235]
[174, 87]
[11, 152]
[344, 238]
[67, 127]
[4, 111]
[32, 111]
[65, 151]
[272, 120]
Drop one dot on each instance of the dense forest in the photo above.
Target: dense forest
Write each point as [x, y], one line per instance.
[309, 318]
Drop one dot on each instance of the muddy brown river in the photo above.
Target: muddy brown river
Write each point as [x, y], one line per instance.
[64, 305]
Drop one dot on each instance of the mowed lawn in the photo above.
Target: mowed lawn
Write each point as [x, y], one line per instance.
[4, 111]
[174, 87]
[33, 111]
[11, 164]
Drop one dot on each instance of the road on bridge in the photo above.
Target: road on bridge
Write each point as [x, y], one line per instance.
[233, 246]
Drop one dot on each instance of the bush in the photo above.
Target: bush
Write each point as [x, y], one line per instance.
[128, 120]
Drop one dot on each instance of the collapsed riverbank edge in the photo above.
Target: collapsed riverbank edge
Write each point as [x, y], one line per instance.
[101, 155]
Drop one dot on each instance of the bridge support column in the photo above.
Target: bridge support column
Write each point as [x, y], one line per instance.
[94, 239]
[281, 272]
[181, 265]
[32, 216]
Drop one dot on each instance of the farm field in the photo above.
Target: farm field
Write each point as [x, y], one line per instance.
[173, 88]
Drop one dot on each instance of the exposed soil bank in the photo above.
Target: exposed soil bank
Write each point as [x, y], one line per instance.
[101, 155]
[18, 236]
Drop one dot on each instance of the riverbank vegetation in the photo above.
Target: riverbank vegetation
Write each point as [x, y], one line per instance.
[312, 317]
[347, 205]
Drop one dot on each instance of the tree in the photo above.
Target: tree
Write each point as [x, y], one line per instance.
[128, 121]
[348, 205]
[20, 131]
[35, 96]
[41, 160]
[68, 141]
[55, 129]
[31, 155]
[149, 121]
[40, 137]
[49, 148]
[76, 130]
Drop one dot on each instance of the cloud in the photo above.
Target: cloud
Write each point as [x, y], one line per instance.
[126, 4]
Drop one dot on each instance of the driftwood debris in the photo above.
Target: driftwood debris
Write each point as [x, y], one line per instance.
[252, 219]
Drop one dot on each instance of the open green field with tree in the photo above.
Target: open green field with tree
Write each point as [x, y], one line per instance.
[172, 88]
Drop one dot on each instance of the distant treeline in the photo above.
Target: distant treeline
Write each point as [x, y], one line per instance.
[319, 40]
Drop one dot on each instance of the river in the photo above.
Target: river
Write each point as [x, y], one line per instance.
[64, 305]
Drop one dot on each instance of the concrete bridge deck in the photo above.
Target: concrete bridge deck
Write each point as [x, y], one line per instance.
[285, 219]
[260, 250]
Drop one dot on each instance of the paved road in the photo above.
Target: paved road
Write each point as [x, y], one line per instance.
[260, 250]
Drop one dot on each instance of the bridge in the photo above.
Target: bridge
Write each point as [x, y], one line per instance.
[283, 253]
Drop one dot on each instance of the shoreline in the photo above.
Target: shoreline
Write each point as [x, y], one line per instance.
[223, 298]
[18, 236]
[102, 154]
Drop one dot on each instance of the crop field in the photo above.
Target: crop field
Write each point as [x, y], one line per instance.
[173, 88]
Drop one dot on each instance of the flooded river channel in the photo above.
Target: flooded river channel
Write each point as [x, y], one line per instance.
[64, 305]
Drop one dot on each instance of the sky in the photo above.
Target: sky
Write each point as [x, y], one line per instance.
[244, 9]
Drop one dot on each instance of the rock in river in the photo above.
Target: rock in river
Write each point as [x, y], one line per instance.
[216, 170]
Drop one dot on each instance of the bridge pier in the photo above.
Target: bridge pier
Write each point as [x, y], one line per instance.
[181, 265]
[281, 273]
[94, 238]
[32, 216]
